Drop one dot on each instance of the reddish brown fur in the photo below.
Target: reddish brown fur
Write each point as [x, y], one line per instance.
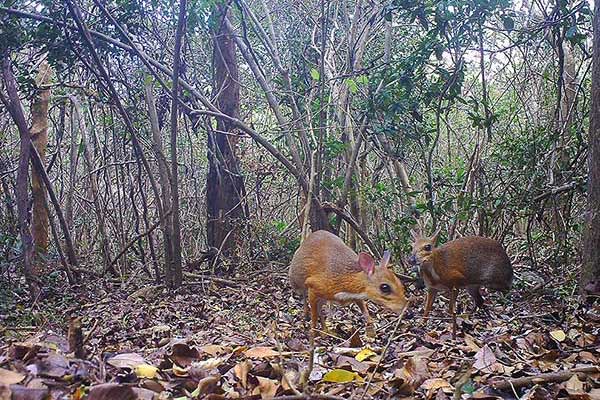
[469, 262]
[324, 267]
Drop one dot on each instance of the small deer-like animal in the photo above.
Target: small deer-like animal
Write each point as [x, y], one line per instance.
[469, 262]
[325, 269]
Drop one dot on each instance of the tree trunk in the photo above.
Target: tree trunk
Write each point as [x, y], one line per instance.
[163, 174]
[590, 270]
[39, 137]
[176, 277]
[226, 193]
[13, 105]
[73, 161]
[95, 192]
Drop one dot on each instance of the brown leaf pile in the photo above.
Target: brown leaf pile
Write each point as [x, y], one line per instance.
[250, 341]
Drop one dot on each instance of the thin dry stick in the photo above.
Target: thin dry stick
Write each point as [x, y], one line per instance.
[308, 397]
[454, 296]
[219, 251]
[311, 363]
[385, 349]
[135, 239]
[544, 378]
[309, 195]
[90, 334]
[280, 359]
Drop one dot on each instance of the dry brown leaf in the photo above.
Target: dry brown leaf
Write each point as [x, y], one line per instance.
[126, 360]
[538, 393]
[239, 350]
[18, 392]
[376, 388]
[144, 394]
[484, 396]
[355, 340]
[213, 349]
[440, 395]
[485, 361]
[37, 383]
[5, 393]
[433, 385]
[209, 364]
[23, 350]
[153, 385]
[594, 394]
[470, 342]
[587, 356]
[184, 355]
[295, 344]
[207, 385]
[411, 375]
[267, 388]
[111, 391]
[289, 379]
[586, 339]
[241, 372]
[54, 366]
[579, 396]
[574, 384]
[340, 361]
[261, 352]
[8, 377]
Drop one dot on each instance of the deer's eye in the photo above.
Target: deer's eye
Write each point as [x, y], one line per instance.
[427, 247]
[385, 288]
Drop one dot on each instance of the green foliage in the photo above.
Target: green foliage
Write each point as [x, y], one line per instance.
[13, 33]
[315, 74]
[334, 148]
[429, 74]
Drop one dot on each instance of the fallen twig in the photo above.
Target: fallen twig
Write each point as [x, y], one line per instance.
[134, 241]
[385, 349]
[222, 281]
[91, 332]
[544, 378]
[308, 397]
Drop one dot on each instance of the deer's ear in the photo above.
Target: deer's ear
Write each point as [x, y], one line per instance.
[434, 237]
[366, 263]
[385, 260]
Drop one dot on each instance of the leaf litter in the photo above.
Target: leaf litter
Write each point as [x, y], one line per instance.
[218, 342]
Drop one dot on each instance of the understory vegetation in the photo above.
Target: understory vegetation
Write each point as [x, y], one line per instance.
[161, 161]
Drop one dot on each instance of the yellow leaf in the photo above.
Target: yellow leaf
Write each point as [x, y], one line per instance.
[558, 335]
[180, 372]
[365, 354]
[341, 376]
[146, 371]
[79, 393]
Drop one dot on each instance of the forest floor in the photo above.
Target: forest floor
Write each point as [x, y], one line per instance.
[246, 338]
